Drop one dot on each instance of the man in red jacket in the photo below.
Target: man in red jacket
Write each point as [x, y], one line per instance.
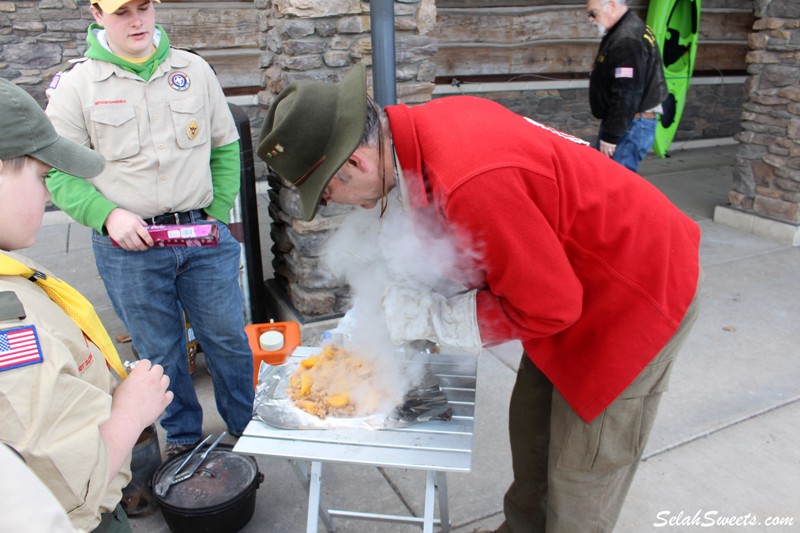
[585, 262]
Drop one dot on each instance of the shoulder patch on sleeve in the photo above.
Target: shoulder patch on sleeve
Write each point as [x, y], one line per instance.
[10, 306]
[19, 347]
[66, 68]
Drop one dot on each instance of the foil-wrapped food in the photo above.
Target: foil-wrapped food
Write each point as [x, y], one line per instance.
[338, 388]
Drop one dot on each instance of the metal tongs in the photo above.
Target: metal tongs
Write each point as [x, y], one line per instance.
[179, 474]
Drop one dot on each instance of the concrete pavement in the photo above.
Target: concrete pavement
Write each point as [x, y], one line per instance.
[725, 448]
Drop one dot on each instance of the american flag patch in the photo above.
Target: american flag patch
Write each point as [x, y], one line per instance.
[623, 72]
[19, 347]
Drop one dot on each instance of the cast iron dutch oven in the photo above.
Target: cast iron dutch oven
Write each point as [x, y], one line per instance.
[219, 498]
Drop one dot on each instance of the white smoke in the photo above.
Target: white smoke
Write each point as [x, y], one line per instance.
[369, 252]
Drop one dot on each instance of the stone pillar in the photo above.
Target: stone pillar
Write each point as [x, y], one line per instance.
[310, 39]
[765, 197]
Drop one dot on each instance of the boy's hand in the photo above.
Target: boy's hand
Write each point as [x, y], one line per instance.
[128, 230]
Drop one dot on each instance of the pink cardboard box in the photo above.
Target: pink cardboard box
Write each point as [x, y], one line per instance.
[182, 235]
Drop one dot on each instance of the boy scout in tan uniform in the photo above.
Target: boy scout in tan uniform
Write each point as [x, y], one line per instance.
[159, 117]
[60, 407]
[72, 397]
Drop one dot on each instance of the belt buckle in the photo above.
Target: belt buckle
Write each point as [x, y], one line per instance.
[177, 218]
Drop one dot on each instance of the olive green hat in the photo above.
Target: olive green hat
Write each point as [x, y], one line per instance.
[311, 129]
[26, 130]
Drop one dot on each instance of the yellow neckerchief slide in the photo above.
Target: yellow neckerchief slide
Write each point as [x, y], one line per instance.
[74, 304]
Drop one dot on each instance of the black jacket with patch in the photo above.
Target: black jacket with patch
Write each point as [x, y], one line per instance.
[627, 76]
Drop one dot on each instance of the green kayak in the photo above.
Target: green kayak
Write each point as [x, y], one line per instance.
[676, 24]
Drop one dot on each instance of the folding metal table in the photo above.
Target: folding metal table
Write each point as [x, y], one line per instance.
[436, 447]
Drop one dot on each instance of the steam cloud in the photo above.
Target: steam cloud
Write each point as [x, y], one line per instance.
[369, 252]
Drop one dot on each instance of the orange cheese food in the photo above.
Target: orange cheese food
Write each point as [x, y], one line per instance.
[335, 383]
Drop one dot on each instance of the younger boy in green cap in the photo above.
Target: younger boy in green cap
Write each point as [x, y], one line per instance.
[60, 407]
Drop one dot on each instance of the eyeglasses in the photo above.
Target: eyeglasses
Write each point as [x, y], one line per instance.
[592, 14]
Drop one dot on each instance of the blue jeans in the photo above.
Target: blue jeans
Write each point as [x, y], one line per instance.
[634, 143]
[147, 290]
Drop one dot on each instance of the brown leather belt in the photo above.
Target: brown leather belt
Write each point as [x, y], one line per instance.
[645, 115]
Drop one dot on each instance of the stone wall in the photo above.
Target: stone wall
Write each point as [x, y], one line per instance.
[767, 172]
[37, 37]
[712, 111]
[321, 41]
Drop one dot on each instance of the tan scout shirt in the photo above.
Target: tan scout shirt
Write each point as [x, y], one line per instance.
[156, 135]
[51, 411]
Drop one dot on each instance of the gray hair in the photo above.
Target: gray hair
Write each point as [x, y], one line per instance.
[376, 117]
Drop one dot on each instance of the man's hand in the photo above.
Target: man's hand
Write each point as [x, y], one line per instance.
[416, 313]
[128, 230]
[607, 149]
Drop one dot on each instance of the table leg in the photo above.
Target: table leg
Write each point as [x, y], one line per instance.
[444, 511]
[430, 493]
[312, 482]
[312, 521]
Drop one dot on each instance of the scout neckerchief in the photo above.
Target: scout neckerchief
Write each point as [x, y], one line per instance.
[74, 304]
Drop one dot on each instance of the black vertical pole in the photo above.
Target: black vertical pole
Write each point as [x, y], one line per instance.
[246, 230]
[381, 17]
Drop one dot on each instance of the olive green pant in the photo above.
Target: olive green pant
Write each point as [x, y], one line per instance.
[114, 522]
[570, 476]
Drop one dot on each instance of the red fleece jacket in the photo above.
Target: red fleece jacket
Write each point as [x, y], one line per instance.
[585, 262]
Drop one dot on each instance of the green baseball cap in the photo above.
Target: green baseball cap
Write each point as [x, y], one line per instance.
[311, 129]
[26, 130]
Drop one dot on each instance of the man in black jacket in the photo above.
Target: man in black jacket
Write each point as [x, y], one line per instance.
[627, 83]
